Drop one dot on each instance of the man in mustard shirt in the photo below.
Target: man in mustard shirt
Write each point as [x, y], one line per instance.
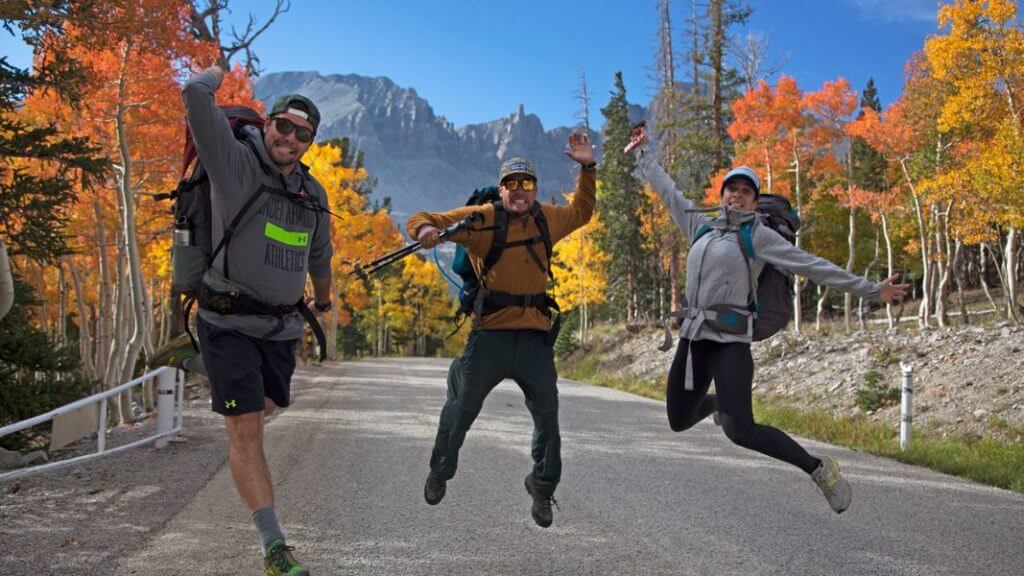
[512, 335]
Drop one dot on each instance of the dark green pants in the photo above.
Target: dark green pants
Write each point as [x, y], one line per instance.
[490, 357]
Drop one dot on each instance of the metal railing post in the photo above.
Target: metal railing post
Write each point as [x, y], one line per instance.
[165, 389]
[907, 407]
[101, 432]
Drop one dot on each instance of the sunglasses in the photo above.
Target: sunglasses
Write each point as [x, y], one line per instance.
[286, 127]
[526, 185]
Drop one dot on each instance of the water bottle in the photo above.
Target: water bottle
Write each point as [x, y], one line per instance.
[182, 232]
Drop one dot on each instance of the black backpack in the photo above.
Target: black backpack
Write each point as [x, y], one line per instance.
[774, 300]
[192, 251]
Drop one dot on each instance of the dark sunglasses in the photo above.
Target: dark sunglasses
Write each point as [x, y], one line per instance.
[528, 185]
[286, 127]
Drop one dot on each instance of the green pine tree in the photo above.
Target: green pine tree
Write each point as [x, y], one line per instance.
[621, 200]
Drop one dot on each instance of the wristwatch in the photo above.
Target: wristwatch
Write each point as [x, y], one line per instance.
[323, 307]
[589, 167]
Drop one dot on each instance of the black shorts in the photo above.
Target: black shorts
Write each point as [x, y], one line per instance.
[243, 370]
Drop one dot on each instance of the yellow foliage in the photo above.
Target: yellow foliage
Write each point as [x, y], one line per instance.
[579, 267]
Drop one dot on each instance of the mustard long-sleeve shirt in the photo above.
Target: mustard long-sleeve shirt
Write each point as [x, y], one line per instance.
[515, 272]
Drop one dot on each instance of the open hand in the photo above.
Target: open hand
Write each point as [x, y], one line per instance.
[637, 138]
[580, 149]
[891, 293]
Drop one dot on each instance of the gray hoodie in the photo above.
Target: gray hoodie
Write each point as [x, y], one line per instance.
[279, 241]
[717, 271]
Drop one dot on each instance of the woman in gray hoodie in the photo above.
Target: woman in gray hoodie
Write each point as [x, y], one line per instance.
[718, 326]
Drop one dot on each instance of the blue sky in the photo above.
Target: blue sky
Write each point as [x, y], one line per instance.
[476, 61]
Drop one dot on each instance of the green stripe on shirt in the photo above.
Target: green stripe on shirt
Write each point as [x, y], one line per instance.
[299, 239]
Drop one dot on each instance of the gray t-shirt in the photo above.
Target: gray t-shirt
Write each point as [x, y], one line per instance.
[282, 237]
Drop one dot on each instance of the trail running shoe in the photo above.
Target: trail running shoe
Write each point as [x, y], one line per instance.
[832, 485]
[434, 488]
[174, 353]
[541, 510]
[280, 562]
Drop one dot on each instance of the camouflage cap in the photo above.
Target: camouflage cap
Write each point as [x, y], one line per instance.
[517, 166]
[284, 105]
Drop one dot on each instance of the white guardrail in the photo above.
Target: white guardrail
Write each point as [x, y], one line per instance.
[169, 412]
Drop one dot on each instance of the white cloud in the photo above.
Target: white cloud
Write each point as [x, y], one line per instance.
[897, 10]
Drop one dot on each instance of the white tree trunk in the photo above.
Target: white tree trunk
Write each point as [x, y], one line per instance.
[867, 271]
[851, 259]
[6, 282]
[141, 317]
[982, 276]
[85, 332]
[1010, 285]
[105, 319]
[797, 281]
[821, 307]
[889, 267]
[923, 317]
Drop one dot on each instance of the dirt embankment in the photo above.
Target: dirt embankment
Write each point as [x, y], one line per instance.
[967, 380]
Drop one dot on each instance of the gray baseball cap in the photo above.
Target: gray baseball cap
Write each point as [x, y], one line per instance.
[517, 166]
[746, 174]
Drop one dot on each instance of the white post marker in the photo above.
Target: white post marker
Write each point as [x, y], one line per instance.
[165, 389]
[907, 410]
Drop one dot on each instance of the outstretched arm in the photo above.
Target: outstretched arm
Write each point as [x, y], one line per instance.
[680, 207]
[774, 249]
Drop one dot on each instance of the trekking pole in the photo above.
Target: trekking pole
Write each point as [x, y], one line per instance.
[392, 257]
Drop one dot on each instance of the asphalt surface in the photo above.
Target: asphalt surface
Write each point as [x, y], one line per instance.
[350, 456]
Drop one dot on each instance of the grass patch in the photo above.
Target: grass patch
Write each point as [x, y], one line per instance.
[985, 460]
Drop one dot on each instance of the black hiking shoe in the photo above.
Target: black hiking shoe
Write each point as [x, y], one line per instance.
[434, 488]
[541, 510]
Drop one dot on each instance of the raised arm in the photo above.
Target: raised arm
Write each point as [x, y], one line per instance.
[564, 219]
[225, 159]
[679, 206]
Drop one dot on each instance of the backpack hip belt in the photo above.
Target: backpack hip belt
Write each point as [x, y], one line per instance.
[494, 301]
[236, 303]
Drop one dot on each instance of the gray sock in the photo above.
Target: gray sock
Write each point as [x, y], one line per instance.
[269, 530]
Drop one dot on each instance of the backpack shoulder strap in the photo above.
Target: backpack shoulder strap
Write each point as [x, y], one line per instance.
[747, 239]
[704, 229]
[230, 231]
[497, 240]
[545, 233]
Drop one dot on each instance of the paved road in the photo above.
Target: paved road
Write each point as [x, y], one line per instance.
[349, 459]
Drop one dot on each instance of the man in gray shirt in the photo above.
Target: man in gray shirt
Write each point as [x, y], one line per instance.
[248, 323]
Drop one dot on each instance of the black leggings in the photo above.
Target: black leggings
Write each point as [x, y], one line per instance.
[732, 368]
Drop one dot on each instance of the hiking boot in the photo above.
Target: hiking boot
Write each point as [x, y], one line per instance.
[541, 510]
[832, 485]
[174, 353]
[434, 488]
[280, 562]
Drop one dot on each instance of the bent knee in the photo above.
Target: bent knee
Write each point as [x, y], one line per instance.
[739, 434]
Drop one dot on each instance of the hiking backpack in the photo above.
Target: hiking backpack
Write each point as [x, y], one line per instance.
[192, 251]
[461, 265]
[773, 303]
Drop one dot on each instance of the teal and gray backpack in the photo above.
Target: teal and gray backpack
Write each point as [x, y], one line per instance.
[773, 303]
